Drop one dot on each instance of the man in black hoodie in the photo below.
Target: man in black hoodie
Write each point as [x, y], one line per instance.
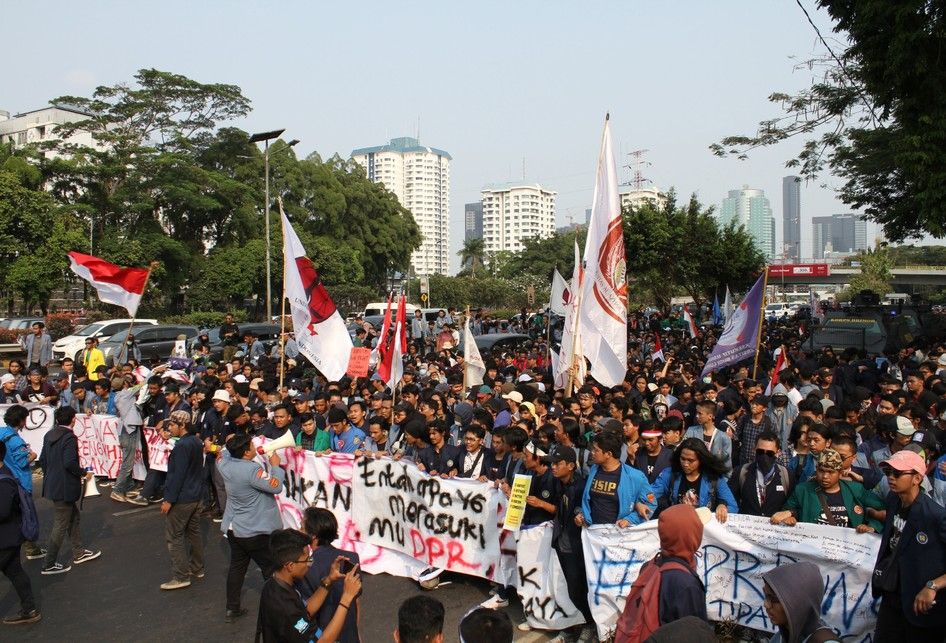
[62, 484]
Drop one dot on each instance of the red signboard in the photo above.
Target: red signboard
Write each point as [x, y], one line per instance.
[799, 270]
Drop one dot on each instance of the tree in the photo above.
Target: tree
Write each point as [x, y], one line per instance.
[540, 256]
[877, 116]
[875, 272]
[472, 254]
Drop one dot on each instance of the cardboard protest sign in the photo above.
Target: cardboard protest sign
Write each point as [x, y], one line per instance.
[358, 362]
[516, 508]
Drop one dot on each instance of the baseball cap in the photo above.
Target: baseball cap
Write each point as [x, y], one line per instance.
[906, 461]
[563, 454]
[525, 377]
[180, 417]
[484, 390]
[515, 396]
[554, 411]
[905, 426]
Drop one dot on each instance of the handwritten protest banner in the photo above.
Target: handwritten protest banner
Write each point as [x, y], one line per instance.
[450, 524]
[99, 447]
[731, 561]
[159, 449]
[541, 583]
[358, 362]
[39, 421]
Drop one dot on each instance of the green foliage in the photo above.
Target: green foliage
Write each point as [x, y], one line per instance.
[875, 273]
[59, 325]
[540, 257]
[483, 292]
[682, 250]
[472, 255]
[204, 318]
[877, 116]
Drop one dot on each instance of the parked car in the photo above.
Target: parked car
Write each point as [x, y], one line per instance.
[154, 342]
[498, 342]
[20, 323]
[378, 308]
[268, 334]
[73, 345]
[778, 310]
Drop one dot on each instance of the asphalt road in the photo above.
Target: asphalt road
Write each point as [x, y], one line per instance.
[117, 596]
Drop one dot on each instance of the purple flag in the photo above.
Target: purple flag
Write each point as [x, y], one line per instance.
[740, 334]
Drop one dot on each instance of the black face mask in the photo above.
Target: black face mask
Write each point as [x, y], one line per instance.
[780, 403]
[764, 462]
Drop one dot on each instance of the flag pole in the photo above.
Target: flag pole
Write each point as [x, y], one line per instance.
[131, 325]
[758, 339]
[282, 305]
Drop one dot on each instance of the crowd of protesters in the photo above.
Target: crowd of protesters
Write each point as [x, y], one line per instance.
[839, 438]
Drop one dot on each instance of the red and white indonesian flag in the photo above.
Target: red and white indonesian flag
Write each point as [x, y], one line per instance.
[318, 328]
[114, 284]
[691, 325]
[561, 294]
[603, 316]
[390, 362]
[780, 365]
[658, 350]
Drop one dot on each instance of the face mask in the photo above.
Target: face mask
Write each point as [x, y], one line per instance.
[780, 403]
[764, 462]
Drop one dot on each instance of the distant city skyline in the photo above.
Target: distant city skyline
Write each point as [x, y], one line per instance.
[751, 208]
[510, 104]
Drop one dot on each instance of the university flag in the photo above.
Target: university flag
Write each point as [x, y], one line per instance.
[740, 334]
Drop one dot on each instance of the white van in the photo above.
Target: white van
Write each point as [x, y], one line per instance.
[378, 308]
[72, 345]
[778, 310]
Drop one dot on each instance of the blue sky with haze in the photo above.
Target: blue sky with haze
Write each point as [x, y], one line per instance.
[492, 83]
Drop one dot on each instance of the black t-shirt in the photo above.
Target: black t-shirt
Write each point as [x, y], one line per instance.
[687, 486]
[547, 489]
[838, 511]
[651, 462]
[887, 572]
[282, 615]
[231, 340]
[604, 496]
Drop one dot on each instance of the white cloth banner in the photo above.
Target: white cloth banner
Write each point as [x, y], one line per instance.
[99, 448]
[159, 449]
[451, 524]
[541, 583]
[731, 561]
[38, 423]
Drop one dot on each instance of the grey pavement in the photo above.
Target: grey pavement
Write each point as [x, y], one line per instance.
[117, 596]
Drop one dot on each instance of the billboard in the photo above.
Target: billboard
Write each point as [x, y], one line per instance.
[777, 271]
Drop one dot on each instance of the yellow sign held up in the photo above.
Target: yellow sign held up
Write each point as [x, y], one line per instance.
[517, 502]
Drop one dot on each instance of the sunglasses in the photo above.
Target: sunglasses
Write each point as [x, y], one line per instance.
[893, 473]
[767, 452]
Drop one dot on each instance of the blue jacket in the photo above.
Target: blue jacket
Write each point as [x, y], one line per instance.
[17, 458]
[184, 482]
[721, 445]
[921, 556]
[251, 508]
[663, 488]
[632, 488]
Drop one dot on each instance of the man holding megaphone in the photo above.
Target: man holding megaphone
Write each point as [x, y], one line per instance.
[251, 514]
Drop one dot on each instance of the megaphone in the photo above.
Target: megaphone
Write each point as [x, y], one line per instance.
[91, 489]
[282, 442]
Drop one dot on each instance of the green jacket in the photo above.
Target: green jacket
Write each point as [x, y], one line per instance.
[806, 506]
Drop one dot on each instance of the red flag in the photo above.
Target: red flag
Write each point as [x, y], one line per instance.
[780, 365]
[390, 366]
[382, 348]
[658, 352]
[691, 326]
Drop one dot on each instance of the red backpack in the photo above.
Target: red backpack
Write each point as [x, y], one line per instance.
[641, 615]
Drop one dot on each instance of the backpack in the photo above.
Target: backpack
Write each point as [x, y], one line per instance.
[641, 615]
[29, 523]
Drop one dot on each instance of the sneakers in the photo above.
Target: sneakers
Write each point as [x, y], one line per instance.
[524, 627]
[198, 575]
[218, 519]
[23, 618]
[175, 584]
[36, 555]
[55, 568]
[141, 502]
[117, 497]
[86, 556]
[495, 602]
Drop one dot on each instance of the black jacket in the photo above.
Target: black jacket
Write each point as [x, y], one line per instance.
[921, 556]
[488, 461]
[743, 485]
[62, 475]
[185, 471]
[10, 516]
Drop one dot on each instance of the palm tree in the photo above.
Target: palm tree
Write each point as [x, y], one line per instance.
[472, 254]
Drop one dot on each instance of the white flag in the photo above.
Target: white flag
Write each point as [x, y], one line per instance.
[473, 365]
[318, 328]
[603, 315]
[561, 294]
[727, 305]
[571, 342]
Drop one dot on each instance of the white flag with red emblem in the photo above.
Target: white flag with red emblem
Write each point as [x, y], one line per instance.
[114, 284]
[603, 315]
[391, 364]
[317, 326]
[561, 294]
[571, 343]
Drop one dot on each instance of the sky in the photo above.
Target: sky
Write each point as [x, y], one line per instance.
[502, 86]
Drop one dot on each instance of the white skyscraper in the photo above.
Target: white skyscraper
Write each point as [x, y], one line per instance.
[420, 178]
[514, 212]
[751, 208]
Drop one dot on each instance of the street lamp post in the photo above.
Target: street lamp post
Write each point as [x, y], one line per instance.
[256, 138]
